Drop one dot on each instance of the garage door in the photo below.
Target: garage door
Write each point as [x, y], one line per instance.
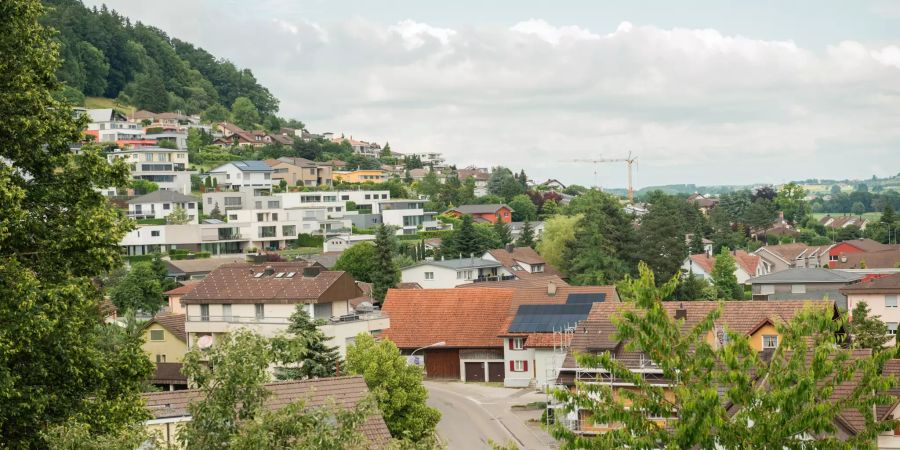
[474, 371]
[495, 371]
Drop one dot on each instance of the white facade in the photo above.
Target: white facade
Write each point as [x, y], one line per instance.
[161, 210]
[112, 131]
[341, 243]
[435, 158]
[224, 238]
[883, 305]
[451, 273]
[165, 167]
[526, 366]
[230, 175]
[334, 201]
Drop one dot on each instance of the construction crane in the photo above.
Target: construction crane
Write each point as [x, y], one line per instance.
[629, 159]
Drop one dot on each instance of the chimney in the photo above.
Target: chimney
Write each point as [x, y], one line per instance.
[551, 289]
[311, 272]
[269, 270]
[680, 313]
[510, 247]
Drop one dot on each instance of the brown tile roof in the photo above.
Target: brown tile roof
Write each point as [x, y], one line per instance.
[181, 290]
[867, 245]
[526, 282]
[344, 391]
[746, 261]
[409, 285]
[791, 252]
[201, 265]
[459, 317]
[174, 323]
[526, 255]
[892, 369]
[889, 284]
[238, 283]
[842, 221]
[885, 259]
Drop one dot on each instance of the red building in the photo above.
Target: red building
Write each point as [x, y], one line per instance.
[483, 213]
[856, 246]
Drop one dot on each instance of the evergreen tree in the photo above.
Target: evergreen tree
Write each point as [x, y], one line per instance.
[178, 216]
[661, 238]
[867, 331]
[150, 93]
[697, 246]
[526, 238]
[692, 287]
[463, 241]
[216, 213]
[887, 215]
[316, 358]
[385, 275]
[502, 230]
[604, 242]
[723, 276]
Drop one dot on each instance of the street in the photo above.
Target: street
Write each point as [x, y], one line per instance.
[473, 414]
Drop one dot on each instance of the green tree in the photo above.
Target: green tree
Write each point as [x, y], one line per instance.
[791, 201]
[314, 358]
[526, 238]
[161, 271]
[463, 241]
[867, 331]
[140, 290]
[660, 238]
[760, 215]
[385, 274]
[150, 93]
[501, 229]
[549, 209]
[887, 215]
[58, 365]
[523, 208]
[835, 189]
[359, 261]
[216, 213]
[697, 246]
[430, 186]
[142, 187]
[215, 113]
[723, 276]
[396, 386]
[692, 287]
[244, 113]
[178, 216]
[95, 67]
[558, 232]
[604, 242]
[727, 395]
[857, 209]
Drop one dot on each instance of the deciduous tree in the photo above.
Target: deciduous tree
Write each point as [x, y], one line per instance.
[244, 113]
[723, 276]
[867, 331]
[523, 208]
[359, 261]
[138, 291]
[558, 231]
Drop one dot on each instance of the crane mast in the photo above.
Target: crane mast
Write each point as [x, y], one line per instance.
[630, 160]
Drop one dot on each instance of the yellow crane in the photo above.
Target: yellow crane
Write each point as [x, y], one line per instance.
[629, 159]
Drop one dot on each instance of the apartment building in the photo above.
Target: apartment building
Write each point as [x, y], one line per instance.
[881, 295]
[300, 172]
[235, 175]
[336, 201]
[360, 176]
[168, 168]
[262, 297]
[160, 204]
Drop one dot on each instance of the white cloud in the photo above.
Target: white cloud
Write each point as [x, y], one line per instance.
[697, 105]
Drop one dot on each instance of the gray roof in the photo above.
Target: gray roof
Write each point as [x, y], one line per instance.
[248, 166]
[806, 275]
[163, 196]
[100, 115]
[463, 263]
[519, 225]
[480, 209]
[839, 299]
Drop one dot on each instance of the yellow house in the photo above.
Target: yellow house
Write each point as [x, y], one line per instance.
[165, 343]
[359, 176]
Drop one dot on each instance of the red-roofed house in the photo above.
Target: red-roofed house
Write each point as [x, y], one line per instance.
[483, 213]
[455, 330]
[747, 265]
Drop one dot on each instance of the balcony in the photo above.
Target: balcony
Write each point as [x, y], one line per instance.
[494, 278]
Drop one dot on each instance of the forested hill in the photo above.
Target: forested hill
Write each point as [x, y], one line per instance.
[105, 54]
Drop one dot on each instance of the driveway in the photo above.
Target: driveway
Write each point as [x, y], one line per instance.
[474, 413]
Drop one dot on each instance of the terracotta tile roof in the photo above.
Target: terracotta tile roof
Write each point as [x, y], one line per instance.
[174, 323]
[526, 255]
[867, 245]
[791, 252]
[746, 261]
[181, 290]
[884, 259]
[526, 282]
[704, 261]
[239, 283]
[344, 391]
[460, 317]
[889, 284]
[479, 209]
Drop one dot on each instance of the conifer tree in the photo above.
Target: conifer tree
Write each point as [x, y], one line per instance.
[697, 243]
[386, 275]
[867, 331]
[526, 239]
[316, 358]
[502, 230]
[887, 215]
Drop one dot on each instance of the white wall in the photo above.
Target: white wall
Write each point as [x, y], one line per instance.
[443, 277]
[158, 210]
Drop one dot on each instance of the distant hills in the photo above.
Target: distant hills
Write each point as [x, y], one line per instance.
[813, 186]
[104, 54]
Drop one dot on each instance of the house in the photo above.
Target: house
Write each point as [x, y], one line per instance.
[484, 213]
[522, 262]
[236, 174]
[300, 172]
[165, 343]
[343, 242]
[636, 209]
[173, 297]
[160, 204]
[163, 166]
[363, 148]
[884, 259]
[890, 439]
[262, 297]
[326, 259]
[707, 243]
[359, 176]
[539, 327]
[455, 330]
[701, 265]
[881, 296]
[775, 258]
[537, 227]
[757, 320]
[448, 273]
[479, 174]
[196, 269]
[170, 409]
[804, 284]
[232, 134]
[430, 158]
[408, 216]
[835, 222]
[704, 203]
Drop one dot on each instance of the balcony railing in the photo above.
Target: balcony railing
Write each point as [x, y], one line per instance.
[494, 278]
[336, 320]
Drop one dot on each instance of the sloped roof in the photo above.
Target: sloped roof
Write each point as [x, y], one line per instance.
[460, 263]
[746, 261]
[200, 265]
[160, 196]
[173, 323]
[790, 252]
[345, 391]
[480, 209]
[463, 318]
[183, 289]
[168, 373]
[240, 283]
[885, 259]
[867, 245]
[806, 275]
[526, 282]
[252, 166]
[889, 284]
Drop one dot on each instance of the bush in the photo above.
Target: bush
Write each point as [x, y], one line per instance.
[308, 240]
[151, 221]
[434, 234]
[141, 258]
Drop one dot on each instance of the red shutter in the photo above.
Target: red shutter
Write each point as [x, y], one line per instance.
[525, 366]
[510, 344]
[512, 366]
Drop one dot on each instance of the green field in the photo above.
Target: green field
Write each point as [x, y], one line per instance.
[870, 216]
[103, 102]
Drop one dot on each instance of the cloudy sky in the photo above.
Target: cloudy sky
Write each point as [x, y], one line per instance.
[705, 92]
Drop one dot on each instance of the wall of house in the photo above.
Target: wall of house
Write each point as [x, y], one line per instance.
[175, 306]
[172, 347]
[159, 211]
[344, 333]
[443, 277]
[514, 378]
[843, 247]
[166, 430]
[878, 307]
[756, 339]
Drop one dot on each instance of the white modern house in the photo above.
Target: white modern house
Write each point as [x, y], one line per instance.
[408, 216]
[336, 201]
[453, 272]
[165, 167]
[234, 175]
[160, 204]
[345, 241]
[111, 126]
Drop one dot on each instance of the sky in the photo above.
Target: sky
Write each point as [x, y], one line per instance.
[701, 91]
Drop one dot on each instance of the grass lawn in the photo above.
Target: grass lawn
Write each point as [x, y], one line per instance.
[299, 251]
[103, 102]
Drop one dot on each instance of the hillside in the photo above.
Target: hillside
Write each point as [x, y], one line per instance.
[106, 55]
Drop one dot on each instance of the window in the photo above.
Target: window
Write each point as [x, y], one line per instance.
[429, 275]
[517, 343]
[226, 312]
[272, 204]
[157, 335]
[267, 176]
[289, 230]
[204, 313]
[892, 328]
[258, 205]
[266, 232]
[160, 359]
[518, 366]
[232, 217]
[154, 233]
[166, 206]
[766, 289]
[260, 311]
[832, 257]
[209, 201]
[798, 289]
[537, 268]
[232, 201]
[322, 310]
[260, 217]
[345, 197]
[771, 341]
[384, 196]
[368, 197]
[890, 301]
[190, 205]
[274, 217]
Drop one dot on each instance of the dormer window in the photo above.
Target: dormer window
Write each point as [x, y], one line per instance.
[537, 268]
[769, 342]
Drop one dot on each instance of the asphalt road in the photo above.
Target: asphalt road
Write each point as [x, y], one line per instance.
[473, 414]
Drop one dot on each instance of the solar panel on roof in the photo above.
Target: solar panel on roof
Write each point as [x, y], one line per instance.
[548, 318]
[591, 297]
